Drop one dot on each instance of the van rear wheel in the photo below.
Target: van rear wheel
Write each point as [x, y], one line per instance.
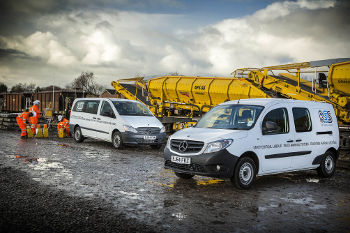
[117, 140]
[78, 136]
[327, 166]
[183, 175]
[244, 174]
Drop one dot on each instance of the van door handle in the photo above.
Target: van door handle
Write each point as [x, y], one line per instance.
[98, 118]
[298, 140]
[93, 117]
[290, 141]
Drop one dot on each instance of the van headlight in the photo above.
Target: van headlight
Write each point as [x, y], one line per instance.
[129, 128]
[168, 143]
[162, 130]
[218, 145]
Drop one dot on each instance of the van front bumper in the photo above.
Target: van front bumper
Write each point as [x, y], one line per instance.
[138, 139]
[217, 164]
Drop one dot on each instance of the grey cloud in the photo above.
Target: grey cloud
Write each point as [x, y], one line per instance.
[12, 53]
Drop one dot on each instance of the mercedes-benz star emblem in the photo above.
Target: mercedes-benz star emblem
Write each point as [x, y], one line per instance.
[183, 146]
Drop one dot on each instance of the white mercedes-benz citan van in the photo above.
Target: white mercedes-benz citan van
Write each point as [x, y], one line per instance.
[119, 121]
[244, 138]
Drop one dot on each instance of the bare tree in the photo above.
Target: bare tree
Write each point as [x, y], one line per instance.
[23, 87]
[86, 81]
[3, 87]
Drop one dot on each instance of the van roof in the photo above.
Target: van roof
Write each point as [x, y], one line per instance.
[112, 99]
[271, 101]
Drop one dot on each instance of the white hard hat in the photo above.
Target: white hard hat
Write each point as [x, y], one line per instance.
[36, 102]
[34, 114]
[59, 117]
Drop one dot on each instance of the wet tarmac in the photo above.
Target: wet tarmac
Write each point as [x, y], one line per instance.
[134, 181]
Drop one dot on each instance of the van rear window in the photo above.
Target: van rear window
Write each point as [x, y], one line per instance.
[79, 106]
[92, 106]
[302, 120]
[88, 106]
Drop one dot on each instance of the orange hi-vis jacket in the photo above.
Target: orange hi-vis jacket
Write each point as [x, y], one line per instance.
[24, 116]
[64, 123]
[22, 119]
[35, 108]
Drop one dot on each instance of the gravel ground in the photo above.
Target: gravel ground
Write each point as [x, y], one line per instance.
[58, 185]
[28, 206]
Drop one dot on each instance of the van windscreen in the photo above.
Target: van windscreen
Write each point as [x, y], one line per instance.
[131, 108]
[240, 117]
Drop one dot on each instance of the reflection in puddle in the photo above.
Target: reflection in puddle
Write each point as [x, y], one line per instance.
[27, 159]
[209, 182]
[307, 201]
[179, 216]
[44, 165]
[129, 195]
[311, 180]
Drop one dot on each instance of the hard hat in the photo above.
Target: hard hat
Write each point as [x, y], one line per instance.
[34, 114]
[59, 117]
[36, 102]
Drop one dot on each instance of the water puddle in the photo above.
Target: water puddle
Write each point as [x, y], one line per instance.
[179, 216]
[311, 180]
[27, 159]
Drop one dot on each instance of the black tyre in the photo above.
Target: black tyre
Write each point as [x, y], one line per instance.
[327, 166]
[244, 174]
[117, 140]
[183, 175]
[78, 136]
[158, 146]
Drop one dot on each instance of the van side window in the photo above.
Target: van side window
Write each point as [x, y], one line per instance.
[79, 106]
[106, 110]
[276, 122]
[302, 120]
[92, 106]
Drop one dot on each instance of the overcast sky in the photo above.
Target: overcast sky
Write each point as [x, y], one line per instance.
[51, 42]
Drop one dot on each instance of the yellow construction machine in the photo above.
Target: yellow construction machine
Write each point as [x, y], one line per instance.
[178, 101]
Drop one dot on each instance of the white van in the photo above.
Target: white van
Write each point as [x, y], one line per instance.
[244, 138]
[119, 121]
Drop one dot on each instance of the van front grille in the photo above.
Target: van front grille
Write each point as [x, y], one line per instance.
[186, 146]
[185, 167]
[148, 130]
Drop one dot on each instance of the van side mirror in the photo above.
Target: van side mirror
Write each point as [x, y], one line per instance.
[269, 127]
[109, 114]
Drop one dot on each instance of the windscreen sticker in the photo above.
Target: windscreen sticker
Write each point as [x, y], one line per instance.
[325, 116]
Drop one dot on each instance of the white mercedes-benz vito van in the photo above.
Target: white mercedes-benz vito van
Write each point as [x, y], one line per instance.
[254, 137]
[119, 121]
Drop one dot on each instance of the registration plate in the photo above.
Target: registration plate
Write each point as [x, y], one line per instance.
[180, 160]
[147, 137]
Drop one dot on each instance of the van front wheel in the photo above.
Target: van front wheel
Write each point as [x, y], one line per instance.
[327, 167]
[117, 140]
[78, 136]
[244, 174]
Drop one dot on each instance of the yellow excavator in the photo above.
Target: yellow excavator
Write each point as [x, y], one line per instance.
[178, 101]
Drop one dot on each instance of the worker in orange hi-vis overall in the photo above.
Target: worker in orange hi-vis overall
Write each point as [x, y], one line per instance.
[35, 118]
[22, 120]
[63, 123]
